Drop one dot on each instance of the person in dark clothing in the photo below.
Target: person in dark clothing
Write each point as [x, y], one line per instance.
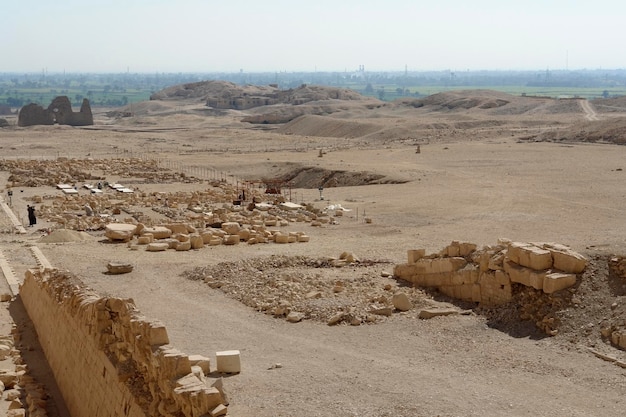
[32, 219]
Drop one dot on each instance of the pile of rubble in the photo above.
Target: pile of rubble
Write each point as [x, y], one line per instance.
[213, 206]
[18, 387]
[337, 290]
[36, 173]
[184, 236]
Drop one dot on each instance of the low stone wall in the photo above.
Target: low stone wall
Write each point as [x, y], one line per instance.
[485, 276]
[109, 360]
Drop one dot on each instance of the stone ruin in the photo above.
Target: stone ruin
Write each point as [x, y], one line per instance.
[108, 359]
[58, 112]
[488, 275]
[183, 237]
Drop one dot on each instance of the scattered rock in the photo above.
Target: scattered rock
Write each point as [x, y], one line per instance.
[429, 313]
[401, 301]
[116, 267]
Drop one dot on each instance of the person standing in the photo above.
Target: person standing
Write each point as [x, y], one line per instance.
[32, 218]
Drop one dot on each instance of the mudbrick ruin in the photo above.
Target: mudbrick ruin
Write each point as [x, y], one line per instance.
[58, 112]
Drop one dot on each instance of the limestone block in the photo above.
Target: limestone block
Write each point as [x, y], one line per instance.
[171, 242]
[177, 227]
[181, 237]
[231, 240]
[452, 250]
[514, 251]
[244, 234]
[281, 238]
[557, 281]
[429, 313]
[157, 247]
[502, 278]
[415, 255]
[146, 239]
[569, 261]
[303, 238]
[183, 246]
[119, 231]
[159, 232]
[115, 267]
[215, 241]
[231, 228]
[157, 334]
[228, 361]
[539, 259]
[196, 241]
[466, 248]
[202, 362]
[405, 271]
[206, 237]
[218, 411]
[292, 238]
[528, 255]
[439, 265]
[401, 301]
[349, 257]
[495, 261]
[517, 273]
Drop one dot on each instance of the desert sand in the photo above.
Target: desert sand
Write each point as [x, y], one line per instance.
[485, 170]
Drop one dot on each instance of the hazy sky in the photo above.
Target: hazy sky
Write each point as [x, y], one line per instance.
[315, 35]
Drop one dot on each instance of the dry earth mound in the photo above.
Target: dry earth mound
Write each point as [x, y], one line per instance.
[66, 235]
[492, 102]
[610, 105]
[227, 92]
[207, 89]
[312, 125]
[605, 131]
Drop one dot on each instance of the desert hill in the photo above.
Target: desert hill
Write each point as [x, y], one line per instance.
[227, 93]
[327, 112]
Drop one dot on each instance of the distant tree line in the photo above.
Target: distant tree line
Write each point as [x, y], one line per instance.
[121, 89]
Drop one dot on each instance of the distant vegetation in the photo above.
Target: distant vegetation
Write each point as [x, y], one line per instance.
[114, 90]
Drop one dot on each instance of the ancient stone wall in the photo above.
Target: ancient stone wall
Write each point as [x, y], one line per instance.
[486, 275]
[109, 360]
[59, 111]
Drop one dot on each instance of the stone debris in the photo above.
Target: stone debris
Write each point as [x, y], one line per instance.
[116, 267]
[298, 288]
[429, 313]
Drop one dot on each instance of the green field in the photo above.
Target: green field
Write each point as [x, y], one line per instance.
[115, 90]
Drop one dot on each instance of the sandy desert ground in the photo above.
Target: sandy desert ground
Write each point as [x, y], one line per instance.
[481, 174]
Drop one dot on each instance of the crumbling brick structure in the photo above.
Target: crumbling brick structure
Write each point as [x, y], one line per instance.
[58, 112]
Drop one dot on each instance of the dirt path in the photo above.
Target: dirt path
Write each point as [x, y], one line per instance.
[590, 113]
